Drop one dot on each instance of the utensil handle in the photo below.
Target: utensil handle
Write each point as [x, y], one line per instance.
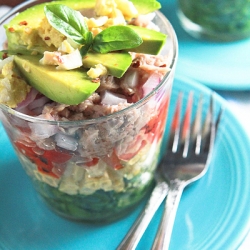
[135, 233]
[163, 236]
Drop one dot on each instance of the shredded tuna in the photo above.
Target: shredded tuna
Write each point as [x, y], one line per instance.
[108, 83]
[145, 21]
[129, 86]
[90, 108]
[150, 63]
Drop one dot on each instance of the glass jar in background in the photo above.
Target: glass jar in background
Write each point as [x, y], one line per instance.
[217, 20]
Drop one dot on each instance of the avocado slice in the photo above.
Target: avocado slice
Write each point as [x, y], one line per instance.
[153, 41]
[116, 63]
[144, 7]
[67, 87]
[22, 31]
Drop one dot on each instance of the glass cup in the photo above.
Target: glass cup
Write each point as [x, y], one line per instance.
[217, 20]
[95, 170]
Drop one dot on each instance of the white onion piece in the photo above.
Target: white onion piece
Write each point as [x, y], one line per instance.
[64, 62]
[70, 61]
[66, 142]
[151, 83]
[131, 79]
[109, 98]
[41, 130]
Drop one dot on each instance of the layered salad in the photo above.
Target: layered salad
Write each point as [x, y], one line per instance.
[84, 93]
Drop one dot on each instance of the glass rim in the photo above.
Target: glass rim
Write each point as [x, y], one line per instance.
[165, 78]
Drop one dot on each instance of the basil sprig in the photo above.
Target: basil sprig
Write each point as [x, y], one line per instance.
[71, 23]
[67, 21]
[116, 38]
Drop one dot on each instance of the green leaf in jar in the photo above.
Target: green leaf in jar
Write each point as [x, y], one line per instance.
[69, 22]
[116, 38]
[85, 48]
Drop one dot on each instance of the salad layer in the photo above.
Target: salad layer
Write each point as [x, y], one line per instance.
[95, 159]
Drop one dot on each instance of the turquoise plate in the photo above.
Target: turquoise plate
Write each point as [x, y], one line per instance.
[213, 213]
[221, 66]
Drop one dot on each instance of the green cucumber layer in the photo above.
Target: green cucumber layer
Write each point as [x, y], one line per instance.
[100, 207]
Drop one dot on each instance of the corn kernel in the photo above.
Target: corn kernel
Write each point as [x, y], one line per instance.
[127, 8]
[96, 22]
[98, 71]
[104, 7]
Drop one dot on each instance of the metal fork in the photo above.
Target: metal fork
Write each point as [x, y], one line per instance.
[162, 183]
[186, 160]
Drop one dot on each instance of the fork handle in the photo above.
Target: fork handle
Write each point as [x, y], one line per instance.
[163, 236]
[135, 233]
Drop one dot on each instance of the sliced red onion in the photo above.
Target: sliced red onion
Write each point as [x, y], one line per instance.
[151, 83]
[33, 104]
[39, 102]
[66, 142]
[109, 98]
[160, 94]
[29, 99]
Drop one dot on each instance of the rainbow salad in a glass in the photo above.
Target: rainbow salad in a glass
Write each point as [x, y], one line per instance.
[84, 93]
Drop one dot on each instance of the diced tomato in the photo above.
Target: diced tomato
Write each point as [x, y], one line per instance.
[157, 124]
[24, 149]
[92, 163]
[56, 156]
[153, 130]
[132, 152]
[45, 161]
[113, 161]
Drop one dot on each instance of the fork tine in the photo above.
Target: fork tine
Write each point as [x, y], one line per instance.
[185, 133]
[213, 128]
[197, 127]
[181, 172]
[186, 125]
[207, 122]
[180, 129]
[209, 126]
[175, 126]
[218, 119]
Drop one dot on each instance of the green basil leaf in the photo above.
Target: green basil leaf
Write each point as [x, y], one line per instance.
[116, 38]
[69, 22]
[85, 48]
